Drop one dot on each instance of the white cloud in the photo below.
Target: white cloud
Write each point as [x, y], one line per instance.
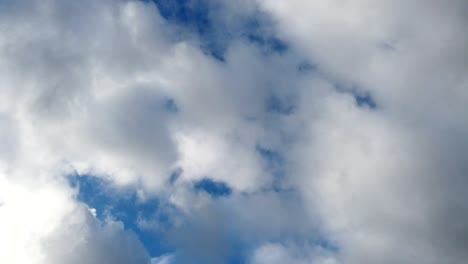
[43, 223]
[277, 253]
[385, 182]
[165, 259]
[94, 100]
[83, 89]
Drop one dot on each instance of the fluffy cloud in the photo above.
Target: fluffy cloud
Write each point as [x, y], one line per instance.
[277, 253]
[387, 182]
[96, 100]
[44, 224]
[115, 90]
[109, 89]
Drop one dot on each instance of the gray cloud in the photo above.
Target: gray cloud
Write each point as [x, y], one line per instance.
[387, 181]
[84, 87]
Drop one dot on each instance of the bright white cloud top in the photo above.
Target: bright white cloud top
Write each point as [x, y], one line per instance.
[246, 131]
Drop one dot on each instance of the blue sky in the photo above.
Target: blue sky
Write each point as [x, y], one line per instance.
[243, 131]
[204, 18]
[201, 19]
[197, 17]
[124, 206]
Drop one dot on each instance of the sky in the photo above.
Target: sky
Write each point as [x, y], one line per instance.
[241, 131]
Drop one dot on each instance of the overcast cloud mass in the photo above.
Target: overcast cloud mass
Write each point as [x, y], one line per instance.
[243, 131]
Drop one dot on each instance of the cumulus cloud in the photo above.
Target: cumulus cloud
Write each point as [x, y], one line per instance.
[386, 181]
[45, 224]
[86, 90]
[266, 100]
[278, 253]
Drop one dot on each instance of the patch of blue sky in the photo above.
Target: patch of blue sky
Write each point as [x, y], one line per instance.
[194, 14]
[365, 100]
[171, 106]
[328, 245]
[280, 105]
[257, 33]
[124, 206]
[204, 18]
[361, 97]
[269, 44]
[213, 188]
[306, 67]
[273, 158]
[274, 163]
[175, 175]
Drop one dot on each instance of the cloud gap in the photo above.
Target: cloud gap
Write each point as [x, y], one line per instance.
[122, 205]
